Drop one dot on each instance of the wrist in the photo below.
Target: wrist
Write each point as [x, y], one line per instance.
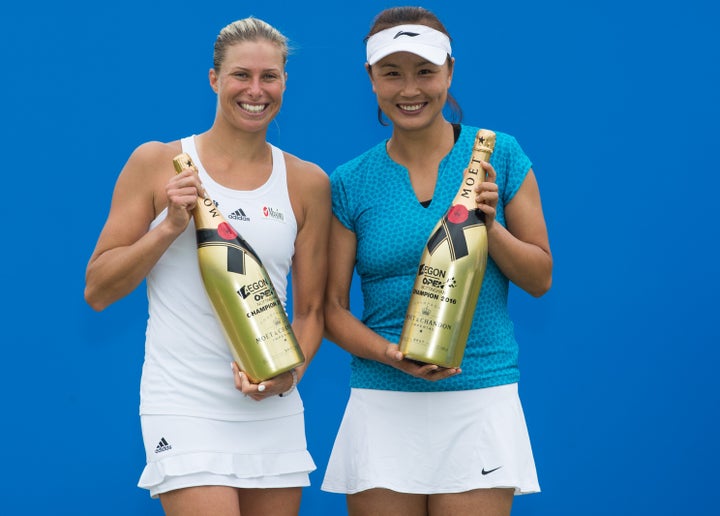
[293, 386]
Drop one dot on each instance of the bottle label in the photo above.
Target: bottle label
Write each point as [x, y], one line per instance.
[446, 286]
[452, 229]
[246, 303]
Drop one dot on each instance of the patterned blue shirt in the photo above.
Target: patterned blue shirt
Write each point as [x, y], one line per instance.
[372, 196]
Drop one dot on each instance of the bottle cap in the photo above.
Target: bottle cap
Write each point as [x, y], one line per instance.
[182, 161]
[484, 141]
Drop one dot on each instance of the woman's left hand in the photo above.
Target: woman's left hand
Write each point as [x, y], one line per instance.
[487, 194]
[259, 391]
[429, 372]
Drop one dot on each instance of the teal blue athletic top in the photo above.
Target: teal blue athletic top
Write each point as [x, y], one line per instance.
[372, 197]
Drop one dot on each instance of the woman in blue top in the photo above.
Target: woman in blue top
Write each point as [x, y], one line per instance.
[420, 439]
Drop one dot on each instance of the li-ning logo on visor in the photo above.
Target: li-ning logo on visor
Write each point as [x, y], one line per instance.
[403, 33]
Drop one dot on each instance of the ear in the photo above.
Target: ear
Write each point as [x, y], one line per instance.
[285, 83]
[213, 77]
[451, 68]
[368, 69]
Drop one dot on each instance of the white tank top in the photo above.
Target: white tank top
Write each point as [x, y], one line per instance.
[187, 361]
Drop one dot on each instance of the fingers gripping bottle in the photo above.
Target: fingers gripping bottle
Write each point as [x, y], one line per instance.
[450, 274]
[253, 319]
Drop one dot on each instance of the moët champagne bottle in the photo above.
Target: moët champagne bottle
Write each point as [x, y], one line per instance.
[242, 295]
[450, 274]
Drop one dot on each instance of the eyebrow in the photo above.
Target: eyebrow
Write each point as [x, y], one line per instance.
[246, 69]
[417, 65]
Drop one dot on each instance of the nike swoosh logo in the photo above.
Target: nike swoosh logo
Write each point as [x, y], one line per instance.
[488, 471]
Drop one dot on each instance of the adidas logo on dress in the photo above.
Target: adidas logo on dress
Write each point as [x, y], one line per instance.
[162, 446]
[239, 214]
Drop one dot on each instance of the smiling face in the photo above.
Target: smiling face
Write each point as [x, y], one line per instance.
[410, 90]
[250, 84]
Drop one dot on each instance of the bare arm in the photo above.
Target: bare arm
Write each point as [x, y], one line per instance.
[126, 250]
[346, 330]
[522, 250]
[342, 327]
[311, 192]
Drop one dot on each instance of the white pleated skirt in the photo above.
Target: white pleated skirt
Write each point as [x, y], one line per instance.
[432, 443]
[191, 451]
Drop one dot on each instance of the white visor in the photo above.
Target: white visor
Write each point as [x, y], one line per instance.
[421, 40]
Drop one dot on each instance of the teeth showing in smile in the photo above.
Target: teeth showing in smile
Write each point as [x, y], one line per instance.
[253, 108]
[411, 107]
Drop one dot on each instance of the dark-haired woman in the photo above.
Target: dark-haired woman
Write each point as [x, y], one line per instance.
[419, 439]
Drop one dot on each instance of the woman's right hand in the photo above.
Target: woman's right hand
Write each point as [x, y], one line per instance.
[182, 192]
[429, 372]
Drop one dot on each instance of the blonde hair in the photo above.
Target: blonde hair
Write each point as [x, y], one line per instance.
[247, 29]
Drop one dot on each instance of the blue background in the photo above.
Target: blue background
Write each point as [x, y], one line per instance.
[615, 102]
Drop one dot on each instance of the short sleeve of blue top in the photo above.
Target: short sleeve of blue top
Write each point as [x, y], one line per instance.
[372, 197]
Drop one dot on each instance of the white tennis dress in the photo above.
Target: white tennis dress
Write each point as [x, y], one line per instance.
[196, 425]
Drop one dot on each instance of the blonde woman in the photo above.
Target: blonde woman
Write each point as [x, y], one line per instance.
[216, 443]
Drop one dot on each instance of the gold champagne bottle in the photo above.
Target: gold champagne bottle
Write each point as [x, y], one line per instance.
[450, 274]
[253, 319]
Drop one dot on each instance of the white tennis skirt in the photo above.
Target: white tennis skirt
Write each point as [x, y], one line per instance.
[192, 451]
[432, 442]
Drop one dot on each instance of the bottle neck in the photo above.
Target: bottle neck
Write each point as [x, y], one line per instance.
[206, 214]
[474, 175]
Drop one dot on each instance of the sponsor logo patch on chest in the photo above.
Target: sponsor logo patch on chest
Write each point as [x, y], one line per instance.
[268, 212]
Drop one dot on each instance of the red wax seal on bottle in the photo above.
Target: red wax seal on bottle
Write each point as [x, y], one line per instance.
[226, 231]
[457, 214]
